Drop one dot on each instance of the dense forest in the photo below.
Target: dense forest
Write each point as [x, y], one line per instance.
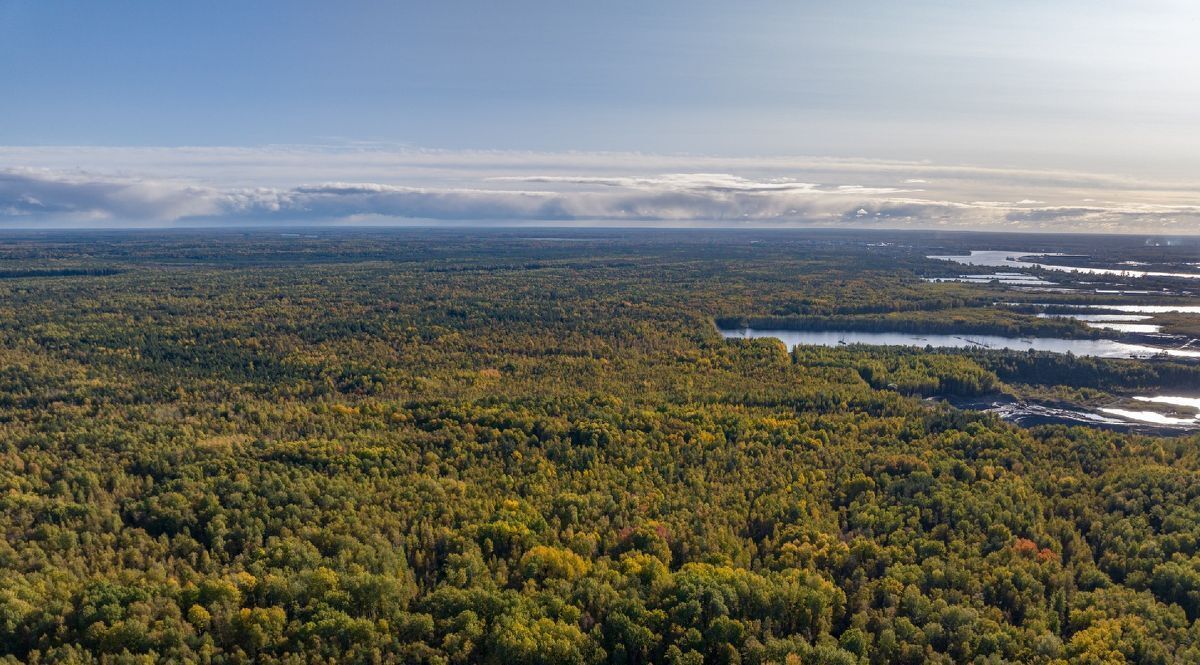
[524, 447]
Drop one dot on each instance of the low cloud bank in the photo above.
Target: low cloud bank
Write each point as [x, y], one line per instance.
[206, 186]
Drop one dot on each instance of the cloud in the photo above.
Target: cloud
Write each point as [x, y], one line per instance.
[40, 193]
[703, 197]
[194, 186]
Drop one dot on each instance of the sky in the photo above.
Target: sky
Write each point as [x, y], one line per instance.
[1050, 115]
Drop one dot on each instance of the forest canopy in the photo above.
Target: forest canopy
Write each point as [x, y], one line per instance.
[444, 447]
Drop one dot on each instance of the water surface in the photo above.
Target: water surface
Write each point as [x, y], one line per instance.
[1011, 278]
[1156, 418]
[1022, 260]
[1118, 322]
[1138, 309]
[1152, 417]
[1173, 400]
[1103, 348]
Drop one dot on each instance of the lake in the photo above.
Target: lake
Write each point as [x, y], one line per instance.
[1029, 413]
[1118, 322]
[1011, 278]
[1156, 418]
[1014, 259]
[1152, 417]
[1103, 348]
[1129, 309]
[1173, 400]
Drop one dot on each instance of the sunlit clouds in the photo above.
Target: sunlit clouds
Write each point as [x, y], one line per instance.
[381, 184]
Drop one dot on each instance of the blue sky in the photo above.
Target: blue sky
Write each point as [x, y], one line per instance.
[1107, 87]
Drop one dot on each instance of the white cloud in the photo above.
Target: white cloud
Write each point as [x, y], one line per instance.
[163, 186]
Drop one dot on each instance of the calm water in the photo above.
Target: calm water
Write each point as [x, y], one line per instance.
[1014, 278]
[1142, 328]
[1173, 400]
[1011, 259]
[1118, 322]
[1138, 309]
[1101, 317]
[1103, 348]
[1033, 413]
[1152, 417]
[1156, 418]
